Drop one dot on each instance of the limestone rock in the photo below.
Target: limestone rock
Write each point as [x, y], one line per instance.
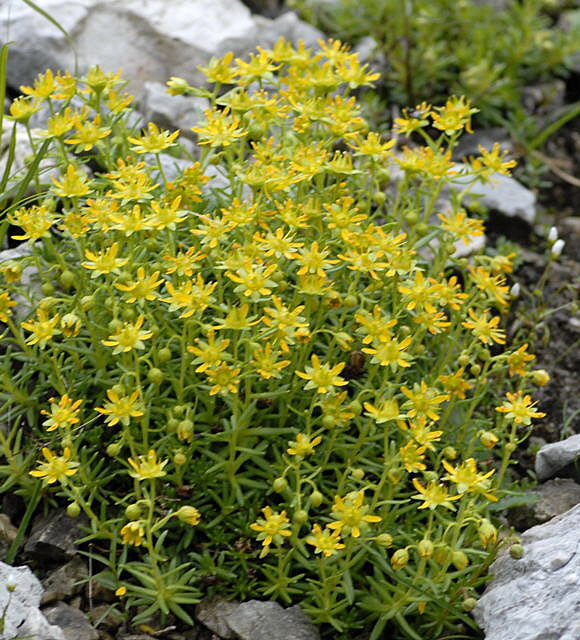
[150, 40]
[501, 193]
[214, 615]
[288, 26]
[74, 623]
[53, 537]
[257, 620]
[554, 498]
[65, 582]
[23, 618]
[554, 457]
[536, 597]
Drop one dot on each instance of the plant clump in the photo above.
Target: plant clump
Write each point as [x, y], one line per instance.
[263, 371]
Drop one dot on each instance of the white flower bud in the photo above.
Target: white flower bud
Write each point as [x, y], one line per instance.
[515, 291]
[557, 248]
[552, 235]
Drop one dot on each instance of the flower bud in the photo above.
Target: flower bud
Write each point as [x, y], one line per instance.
[552, 235]
[114, 449]
[280, 485]
[450, 453]
[47, 288]
[155, 375]
[400, 558]
[179, 459]
[87, 302]
[488, 439]
[133, 511]
[356, 407]
[316, 498]
[164, 354]
[328, 421]
[516, 551]
[71, 325]
[557, 248]
[73, 510]
[188, 514]
[469, 604]
[176, 86]
[459, 560]
[540, 377]
[359, 474]
[515, 291]
[300, 516]
[185, 430]
[67, 279]
[487, 533]
[425, 548]
[385, 540]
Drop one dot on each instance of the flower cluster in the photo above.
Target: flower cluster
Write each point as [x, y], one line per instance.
[291, 341]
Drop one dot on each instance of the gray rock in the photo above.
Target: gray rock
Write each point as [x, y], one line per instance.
[172, 112]
[554, 497]
[66, 581]
[288, 26]
[570, 231]
[149, 39]
[7, 531]
[74, 623]
[23, 618]
[106, 617]
[214, 615]
[554, 457]
[469, 144]
[536, 597]
[257, 620]
[52, 539]
[501, 193]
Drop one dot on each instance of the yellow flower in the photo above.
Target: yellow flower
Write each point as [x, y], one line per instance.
[189, 515]
[105, 261]
[224, 378]
[88, 134]
[455, 384]
[128, 337]
[303, 446]
[142, 288]
[220, 129]
[351, 514]
[193, 296]
[237, 319]
[412, 457]
[462, 227]
[385, 411]
[267, 363]
[210, 353]
[120, 408]
[147, 467]
[422, 435]
[518, 359]
[433, 496]
[388, 352]
[219, 70]
[22, 109]
[63, 413]
[11, 271]
[154, 141]
[273, 527]
[313, 260]
[467, 479]
[36, 222]
[322, 377]
[132, 533]
[255, 281]
[44, 86]
[520, 408]
[454, 116]
[56, 467]
[6, 304]
[42, 329]
[485, 328]
[73, 184]
[326, 542]
[492, 161]
[423, 400]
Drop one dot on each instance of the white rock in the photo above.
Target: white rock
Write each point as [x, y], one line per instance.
[150, 40]
[288, 26]
[501, 193]
[536, 597]
[555, 456]
[23, 618]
